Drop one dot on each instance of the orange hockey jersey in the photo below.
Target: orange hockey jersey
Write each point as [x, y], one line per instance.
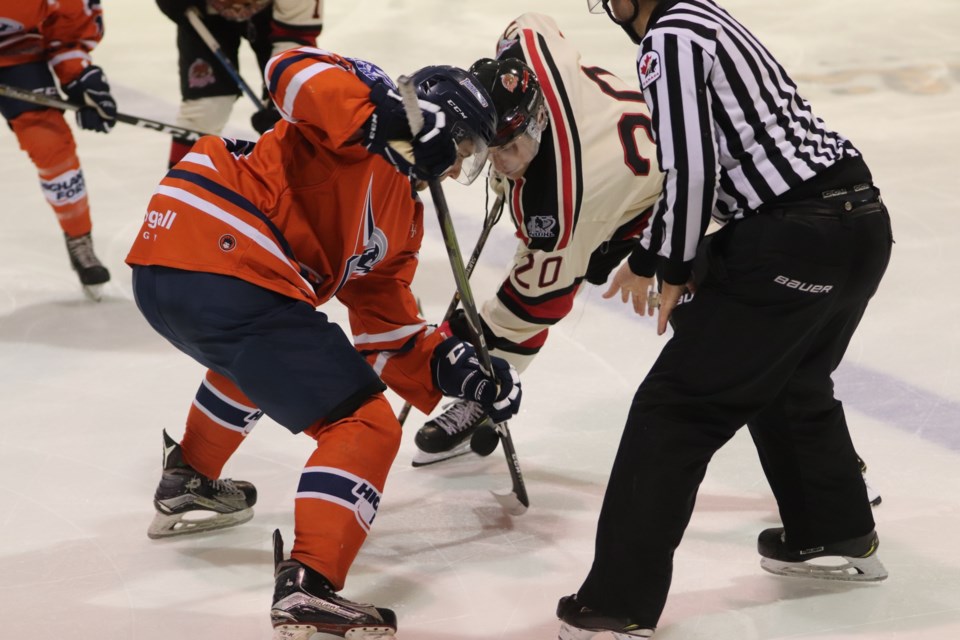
[308, 213]
[60, 32]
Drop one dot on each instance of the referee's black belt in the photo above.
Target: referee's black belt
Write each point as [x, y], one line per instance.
[849, 202]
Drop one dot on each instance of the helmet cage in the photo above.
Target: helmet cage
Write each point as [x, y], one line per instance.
[469, 111]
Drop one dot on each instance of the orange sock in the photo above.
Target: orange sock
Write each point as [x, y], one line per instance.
[220, 418]
[340, 488]
[47, 139]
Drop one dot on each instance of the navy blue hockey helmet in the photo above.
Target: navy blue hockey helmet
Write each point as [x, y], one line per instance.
[469, 110]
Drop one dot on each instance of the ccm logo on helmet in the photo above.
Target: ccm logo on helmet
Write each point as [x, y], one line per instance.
[802, 286]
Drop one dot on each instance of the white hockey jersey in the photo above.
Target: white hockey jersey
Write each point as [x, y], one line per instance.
[585, 198]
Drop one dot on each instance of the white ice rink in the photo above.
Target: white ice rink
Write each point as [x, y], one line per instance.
[86, 388]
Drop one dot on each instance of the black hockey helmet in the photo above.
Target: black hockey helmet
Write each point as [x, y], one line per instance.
[516, 94]
[468, 107]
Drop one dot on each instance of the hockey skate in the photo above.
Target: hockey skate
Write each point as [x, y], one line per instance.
[84, 261]
[306, 607]
[450, 434]
[189, 502]
[853, 560]
[872, 494]
[578, 622]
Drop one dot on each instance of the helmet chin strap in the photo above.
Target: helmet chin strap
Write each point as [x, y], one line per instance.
[626, 25]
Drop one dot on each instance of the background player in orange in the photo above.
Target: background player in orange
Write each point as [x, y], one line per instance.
[207, 89]
[243, 241]
[37, 36]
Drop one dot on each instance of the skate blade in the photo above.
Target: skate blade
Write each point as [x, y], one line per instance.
[423, 459]
[868, 569]
[309, 632]
[93, 292]
[193, 522]
[569, 632]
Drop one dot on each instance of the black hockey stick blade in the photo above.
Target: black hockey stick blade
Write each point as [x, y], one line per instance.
[16, 93]
[516, 502]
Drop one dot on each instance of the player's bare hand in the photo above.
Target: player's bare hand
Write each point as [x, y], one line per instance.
[633, 288]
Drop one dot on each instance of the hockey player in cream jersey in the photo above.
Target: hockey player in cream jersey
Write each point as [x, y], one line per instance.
[575, 160]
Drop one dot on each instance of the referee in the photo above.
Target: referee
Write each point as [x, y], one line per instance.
[779, 291]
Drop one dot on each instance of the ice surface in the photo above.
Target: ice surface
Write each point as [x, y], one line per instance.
[87, 388]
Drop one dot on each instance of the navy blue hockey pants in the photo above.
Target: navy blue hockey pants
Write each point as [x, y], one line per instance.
[297, 367]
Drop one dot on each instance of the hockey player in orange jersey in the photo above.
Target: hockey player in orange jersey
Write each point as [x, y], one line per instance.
[37, 36]
[242, 242]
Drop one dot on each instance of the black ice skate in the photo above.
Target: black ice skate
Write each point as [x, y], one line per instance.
[188, 502]
[306, 607]
[84, 261]
[853, 560]
[583, 623]
[449, 434]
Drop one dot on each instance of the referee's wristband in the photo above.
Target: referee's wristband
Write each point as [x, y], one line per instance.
[642, 262]
[677, 273]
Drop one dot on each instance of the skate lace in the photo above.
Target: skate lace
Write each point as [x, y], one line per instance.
[225, 485]
[81, 250]
[460, 415]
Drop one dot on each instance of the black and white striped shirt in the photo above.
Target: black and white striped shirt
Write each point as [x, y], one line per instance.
[731, 129]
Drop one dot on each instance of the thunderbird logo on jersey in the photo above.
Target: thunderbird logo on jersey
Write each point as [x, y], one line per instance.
[649, 68]
[374, 240]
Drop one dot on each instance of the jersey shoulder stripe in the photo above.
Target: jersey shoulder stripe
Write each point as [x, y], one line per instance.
[565, 136]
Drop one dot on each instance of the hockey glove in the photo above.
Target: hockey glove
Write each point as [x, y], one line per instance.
[90, 89]
[263, 120]
[434, 150]
[457, 373]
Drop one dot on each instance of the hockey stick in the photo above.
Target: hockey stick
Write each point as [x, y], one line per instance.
[491, 219]
[196, 21]
[516, 502]
[56, 103]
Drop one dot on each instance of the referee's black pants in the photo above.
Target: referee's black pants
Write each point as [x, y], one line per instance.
[757, 345]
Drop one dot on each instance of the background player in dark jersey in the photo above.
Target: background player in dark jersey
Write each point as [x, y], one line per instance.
[207, 90]
[805, 244]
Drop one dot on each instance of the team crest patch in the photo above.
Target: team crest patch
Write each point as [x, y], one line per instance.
[649, 68]
[541, 227]
[228, 242]
[200, 74]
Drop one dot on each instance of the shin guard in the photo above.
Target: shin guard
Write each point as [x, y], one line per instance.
[47, 139]
[340, 488]
[220, 418]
